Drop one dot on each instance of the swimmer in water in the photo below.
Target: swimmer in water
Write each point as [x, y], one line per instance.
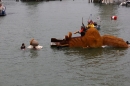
[23, 46]
[128, 43]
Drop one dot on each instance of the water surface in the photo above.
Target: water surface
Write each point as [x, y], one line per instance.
[66, 66]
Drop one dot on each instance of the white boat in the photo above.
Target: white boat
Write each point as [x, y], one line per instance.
[125, 3]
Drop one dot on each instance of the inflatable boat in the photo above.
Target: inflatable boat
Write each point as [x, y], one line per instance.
[91, 39]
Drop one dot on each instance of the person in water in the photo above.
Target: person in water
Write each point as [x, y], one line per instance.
[23, 46]
[127, 42]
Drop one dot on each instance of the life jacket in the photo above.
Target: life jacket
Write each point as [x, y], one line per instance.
[82, 29]
[90, 25]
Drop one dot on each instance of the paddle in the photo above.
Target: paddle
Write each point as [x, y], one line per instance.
[83, 23]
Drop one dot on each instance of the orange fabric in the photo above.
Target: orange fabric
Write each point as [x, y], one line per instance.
[92, 38]
[114, 41]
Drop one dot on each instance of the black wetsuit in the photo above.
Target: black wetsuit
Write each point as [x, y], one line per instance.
[23, 47]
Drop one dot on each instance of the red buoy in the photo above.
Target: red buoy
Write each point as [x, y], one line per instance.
[114, 18]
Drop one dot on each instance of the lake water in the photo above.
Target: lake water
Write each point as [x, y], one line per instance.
[66, 66]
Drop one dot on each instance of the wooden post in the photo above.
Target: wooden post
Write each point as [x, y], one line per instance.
[91, 1]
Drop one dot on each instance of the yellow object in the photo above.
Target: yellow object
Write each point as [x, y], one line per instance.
[90, 26]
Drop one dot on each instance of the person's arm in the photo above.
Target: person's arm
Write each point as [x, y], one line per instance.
[76, 32]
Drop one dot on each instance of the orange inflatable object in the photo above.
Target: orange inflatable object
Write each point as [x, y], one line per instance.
[114, 41]
[92, 38]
